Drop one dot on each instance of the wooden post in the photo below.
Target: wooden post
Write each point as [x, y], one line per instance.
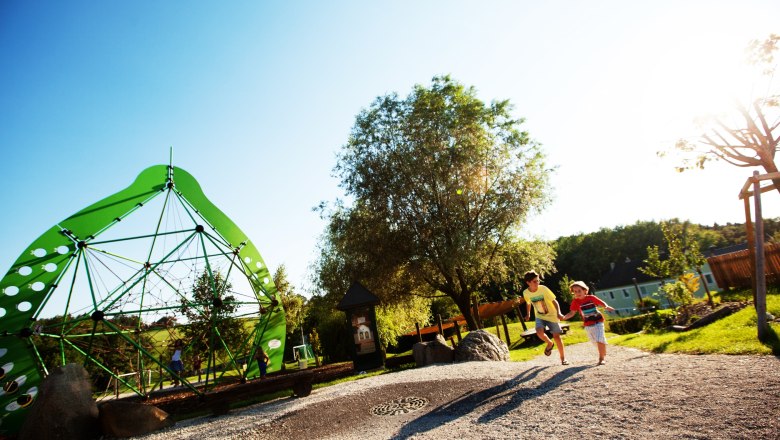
[760, 277]
[457, 330]
[498, 332]
[751, 245]
[419, 335]
[506, 330]
[521, 315]
[452, 341]
[116, 384]
[441, 327]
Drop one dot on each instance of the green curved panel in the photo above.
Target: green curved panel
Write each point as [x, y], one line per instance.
[32, 281]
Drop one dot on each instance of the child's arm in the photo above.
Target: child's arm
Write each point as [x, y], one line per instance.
[557, 309]
[527, 311]
[606, 306]
[569, 315]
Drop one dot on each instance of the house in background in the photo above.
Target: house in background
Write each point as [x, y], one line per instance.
[625, 284]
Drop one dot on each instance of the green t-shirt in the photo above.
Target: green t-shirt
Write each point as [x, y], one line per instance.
[542, 301]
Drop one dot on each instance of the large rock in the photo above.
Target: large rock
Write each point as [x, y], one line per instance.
[433, 352]
[480, 345]
[128, 419]
[64, 408]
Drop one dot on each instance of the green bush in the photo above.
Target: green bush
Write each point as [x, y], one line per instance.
[648, 321]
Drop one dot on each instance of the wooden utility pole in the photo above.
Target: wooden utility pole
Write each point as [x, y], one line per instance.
[760, 261]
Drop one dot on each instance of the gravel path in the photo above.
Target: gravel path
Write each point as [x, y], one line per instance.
[636, 395]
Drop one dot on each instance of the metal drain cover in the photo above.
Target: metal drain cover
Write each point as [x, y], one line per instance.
[399, 406]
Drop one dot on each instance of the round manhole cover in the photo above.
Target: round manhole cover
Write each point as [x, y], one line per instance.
[399, 406]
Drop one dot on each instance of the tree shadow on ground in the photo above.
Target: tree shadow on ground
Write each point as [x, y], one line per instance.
[469, 401]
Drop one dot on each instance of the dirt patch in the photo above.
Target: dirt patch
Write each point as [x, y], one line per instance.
[690, 314]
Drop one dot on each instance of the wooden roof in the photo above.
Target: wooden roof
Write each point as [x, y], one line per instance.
[486, 311]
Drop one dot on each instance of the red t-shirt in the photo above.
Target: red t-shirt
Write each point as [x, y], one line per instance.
[587, 308]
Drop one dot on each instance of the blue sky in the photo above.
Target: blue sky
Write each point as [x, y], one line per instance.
[256, 98]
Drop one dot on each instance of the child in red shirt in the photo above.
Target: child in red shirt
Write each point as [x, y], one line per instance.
[593, 320]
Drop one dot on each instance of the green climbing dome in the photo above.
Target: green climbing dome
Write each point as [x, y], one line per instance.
[116, 284]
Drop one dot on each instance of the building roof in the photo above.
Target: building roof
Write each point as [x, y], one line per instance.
[623, 274]
[357, 296]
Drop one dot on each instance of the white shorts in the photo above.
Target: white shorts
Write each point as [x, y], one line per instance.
[596, 333]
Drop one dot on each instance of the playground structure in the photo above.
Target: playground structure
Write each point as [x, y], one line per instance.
[127, 282]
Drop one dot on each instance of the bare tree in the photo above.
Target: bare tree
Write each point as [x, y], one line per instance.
[748, 137]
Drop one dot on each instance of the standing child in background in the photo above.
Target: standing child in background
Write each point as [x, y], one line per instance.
[176, 365]
[548, 313]
[592, 319]
[196, 364]
[262, 361]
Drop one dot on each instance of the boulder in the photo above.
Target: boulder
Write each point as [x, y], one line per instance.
[433, 352]
[130, 419]
[480, 345]
[64, 407]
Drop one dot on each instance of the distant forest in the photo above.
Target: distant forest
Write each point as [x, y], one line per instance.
[588, 256]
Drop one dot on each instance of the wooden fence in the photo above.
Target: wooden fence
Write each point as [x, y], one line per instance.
[735, 270]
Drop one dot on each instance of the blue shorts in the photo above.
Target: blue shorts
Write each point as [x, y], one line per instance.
[555, 328]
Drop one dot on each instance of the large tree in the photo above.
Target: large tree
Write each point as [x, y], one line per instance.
[748, 136]
[211, 326]
[293, 303]
[439, 183]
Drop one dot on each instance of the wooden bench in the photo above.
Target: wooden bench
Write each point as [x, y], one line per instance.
[530, 334]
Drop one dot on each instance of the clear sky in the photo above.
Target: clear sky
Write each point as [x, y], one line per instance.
[256, 98]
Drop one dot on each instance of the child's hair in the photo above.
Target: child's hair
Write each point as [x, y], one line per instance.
[530, 275]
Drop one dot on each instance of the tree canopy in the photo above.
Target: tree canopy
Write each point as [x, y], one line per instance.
[439, 184]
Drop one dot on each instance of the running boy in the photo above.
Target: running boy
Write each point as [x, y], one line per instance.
[548, 313]
[592, 319]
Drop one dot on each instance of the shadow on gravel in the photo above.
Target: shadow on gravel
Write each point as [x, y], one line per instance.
[468, 402]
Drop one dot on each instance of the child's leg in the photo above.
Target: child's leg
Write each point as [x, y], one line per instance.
[602, 351]
[559, 344]
[540, 324]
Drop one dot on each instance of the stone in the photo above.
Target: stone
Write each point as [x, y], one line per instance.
[432, 352]
[130, 419]
[64, 407]
[480, 345]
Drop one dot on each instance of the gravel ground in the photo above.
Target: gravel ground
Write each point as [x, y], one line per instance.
[636, 395]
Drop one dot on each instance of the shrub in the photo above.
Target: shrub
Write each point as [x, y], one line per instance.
[648, 321]
[648, 303]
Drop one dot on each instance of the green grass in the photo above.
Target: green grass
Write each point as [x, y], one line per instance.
[734, 334]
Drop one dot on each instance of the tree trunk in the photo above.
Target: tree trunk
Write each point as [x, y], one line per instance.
[464, 305]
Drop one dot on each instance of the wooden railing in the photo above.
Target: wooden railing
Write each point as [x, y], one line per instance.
[735, 269]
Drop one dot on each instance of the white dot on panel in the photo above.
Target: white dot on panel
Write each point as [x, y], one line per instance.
[259, 265]
[24, 306]
[37, 286]
[25, 270]
[39, 252]
[265, 280]
[2, 312]
[3, 351]
[62, 250]
[50, 267]
[11, 290]
[247, 260]
[8, 367]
